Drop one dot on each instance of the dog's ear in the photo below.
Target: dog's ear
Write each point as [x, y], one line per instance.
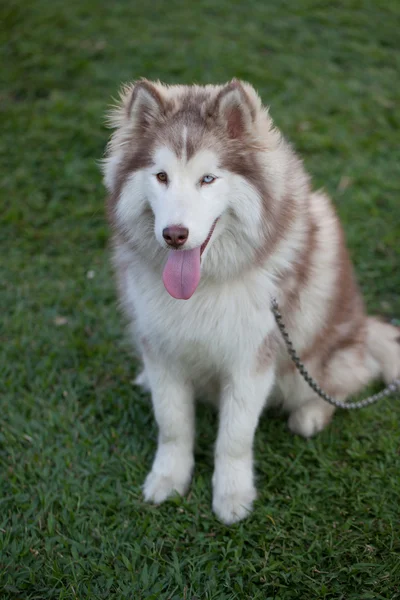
[235, 109]
[145, 105]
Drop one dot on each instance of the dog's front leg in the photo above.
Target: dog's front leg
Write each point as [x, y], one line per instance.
[173, 403]
[242, 401]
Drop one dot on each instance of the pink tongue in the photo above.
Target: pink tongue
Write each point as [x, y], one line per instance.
[181, 274]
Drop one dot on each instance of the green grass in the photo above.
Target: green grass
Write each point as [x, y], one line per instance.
[76, 438]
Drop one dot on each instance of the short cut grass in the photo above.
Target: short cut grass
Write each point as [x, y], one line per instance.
[76, 437]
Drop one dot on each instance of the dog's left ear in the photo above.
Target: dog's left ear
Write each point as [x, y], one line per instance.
[235, 109]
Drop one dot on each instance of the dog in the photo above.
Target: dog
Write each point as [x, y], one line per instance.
[212, 215]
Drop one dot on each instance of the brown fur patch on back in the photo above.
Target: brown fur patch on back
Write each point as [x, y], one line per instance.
[299, 275]
[280, 214]
[345, 320]
[303, 263]
[345, 323]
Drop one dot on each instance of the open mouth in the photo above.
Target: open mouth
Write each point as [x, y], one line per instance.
[181, 274]
[204, 244]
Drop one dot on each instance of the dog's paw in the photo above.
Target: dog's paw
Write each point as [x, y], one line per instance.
[158, 487]
[310, 419]
[233, 489]
[234, 506]
[171, 473]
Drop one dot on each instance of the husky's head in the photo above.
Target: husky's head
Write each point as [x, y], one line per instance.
[192, 173]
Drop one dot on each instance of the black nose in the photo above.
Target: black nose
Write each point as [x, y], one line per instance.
[175, 236]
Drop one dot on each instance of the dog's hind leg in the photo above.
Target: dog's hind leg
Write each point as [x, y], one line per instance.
[311, 417]
[348, 371]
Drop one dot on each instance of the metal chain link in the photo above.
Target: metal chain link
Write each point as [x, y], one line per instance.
[390, 389]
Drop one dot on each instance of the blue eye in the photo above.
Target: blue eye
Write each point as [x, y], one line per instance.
[208, 179]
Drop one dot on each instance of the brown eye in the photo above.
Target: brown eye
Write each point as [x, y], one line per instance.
[162, 177]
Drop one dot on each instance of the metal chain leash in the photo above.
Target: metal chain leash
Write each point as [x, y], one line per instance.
[390, 389]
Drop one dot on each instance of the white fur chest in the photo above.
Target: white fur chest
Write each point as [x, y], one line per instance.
[221, 327]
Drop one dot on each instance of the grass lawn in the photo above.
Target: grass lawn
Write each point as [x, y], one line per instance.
[76, 437]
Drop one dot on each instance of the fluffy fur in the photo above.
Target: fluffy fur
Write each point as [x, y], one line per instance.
[274, 236]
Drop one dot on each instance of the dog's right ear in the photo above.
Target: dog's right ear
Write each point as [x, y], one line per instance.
[145, 105]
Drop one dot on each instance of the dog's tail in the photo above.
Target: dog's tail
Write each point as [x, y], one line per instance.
[384, 347]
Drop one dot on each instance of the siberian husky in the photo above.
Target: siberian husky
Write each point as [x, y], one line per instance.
[213, 215]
